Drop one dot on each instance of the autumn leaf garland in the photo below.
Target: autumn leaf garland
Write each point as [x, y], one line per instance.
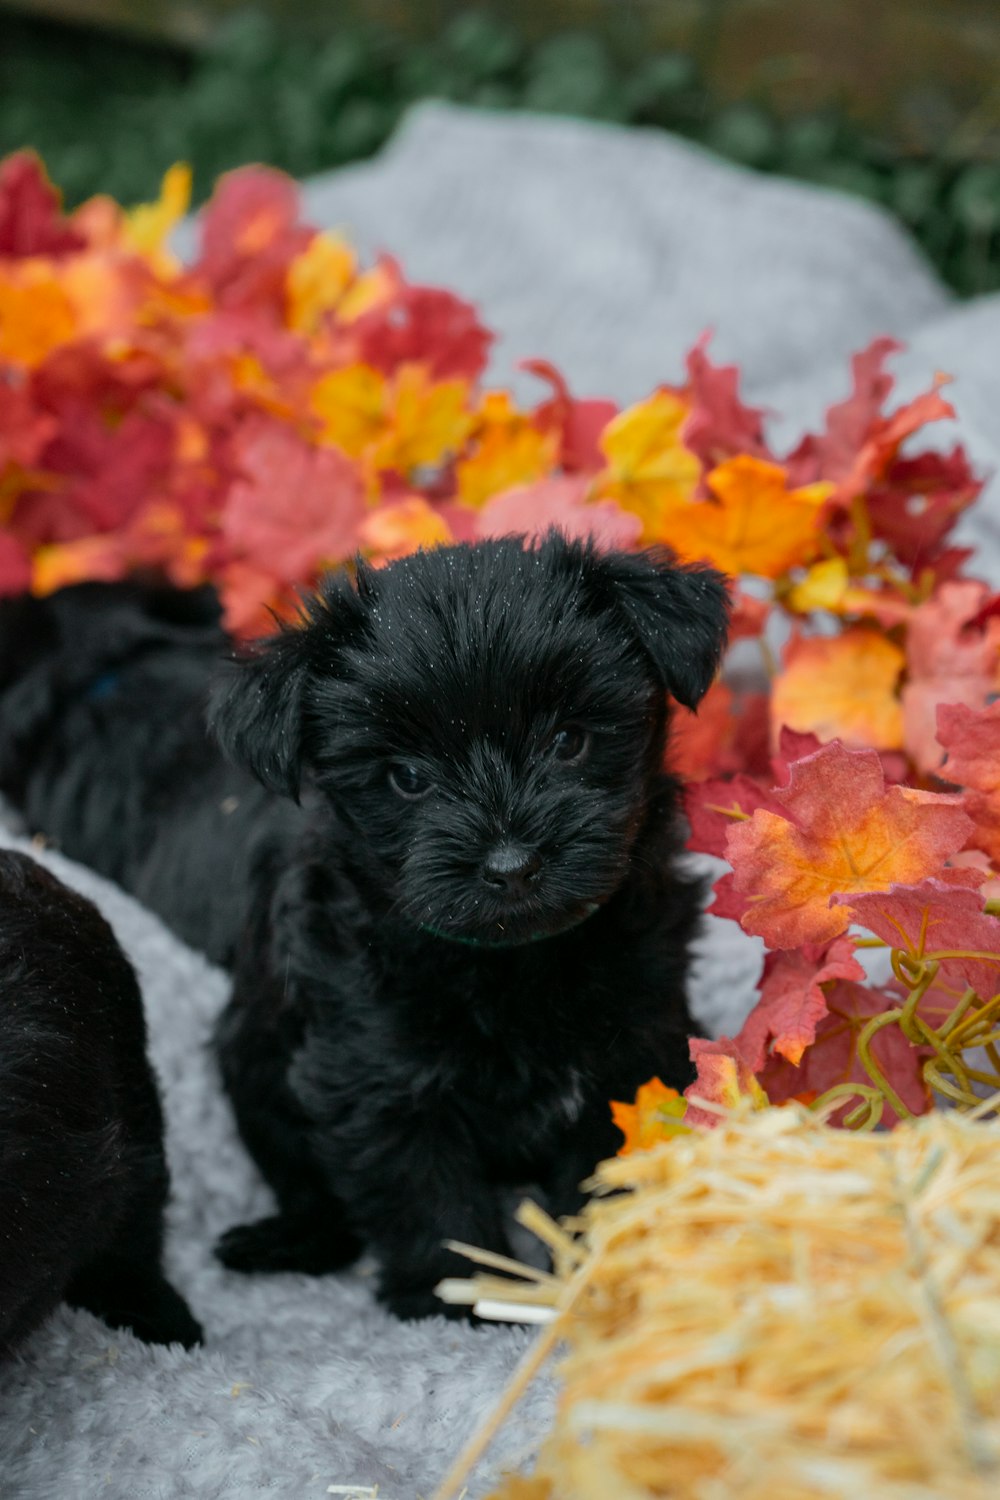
[272, 408]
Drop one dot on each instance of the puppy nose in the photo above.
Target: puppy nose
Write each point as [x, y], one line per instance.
[511, 868]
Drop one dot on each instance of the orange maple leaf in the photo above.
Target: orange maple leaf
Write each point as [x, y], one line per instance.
[842, 687]
[403, 526]
[36, 313]
[843, 831]
[657, 1115]
[508, 450]
[755, 524]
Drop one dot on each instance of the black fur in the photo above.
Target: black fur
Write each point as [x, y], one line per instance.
[83, 1180]
[436, 994]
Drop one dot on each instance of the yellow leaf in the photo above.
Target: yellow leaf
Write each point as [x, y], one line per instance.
[148, 226]
[649, 469]
[428, 421]
[317, 280]
[823, 587]
[509, 450]
[351, 406]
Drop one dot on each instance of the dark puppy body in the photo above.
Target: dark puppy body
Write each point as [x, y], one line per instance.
[83, 1179]
[468, 937]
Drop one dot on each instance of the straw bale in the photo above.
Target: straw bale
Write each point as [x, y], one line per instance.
[776, 1310]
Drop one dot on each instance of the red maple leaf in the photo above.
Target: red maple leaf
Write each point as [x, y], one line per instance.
[534, 509]
[953, 656]
[24, 429]
[971, 740]
[422, 325]
[833, 1056]
[296, 509]
[860, 443]
[249, 236]
[936, 917]
[792, 1002]
[15, 565]
[720, 425]
[578, 423]
[917, 503]
[31, 219]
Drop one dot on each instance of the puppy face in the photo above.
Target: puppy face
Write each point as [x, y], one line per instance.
[488, 720]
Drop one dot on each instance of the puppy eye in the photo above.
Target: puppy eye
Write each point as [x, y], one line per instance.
[406, 781]
[569, 744]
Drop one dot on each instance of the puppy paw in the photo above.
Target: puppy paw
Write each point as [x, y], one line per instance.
[147, 1306]
[167, 1320]
[287, 1243]
[408, 1305]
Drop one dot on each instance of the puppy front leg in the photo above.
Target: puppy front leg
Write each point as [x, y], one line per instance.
[413, 1185]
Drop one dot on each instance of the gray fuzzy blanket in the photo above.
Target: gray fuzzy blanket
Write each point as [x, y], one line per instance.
[607, 252]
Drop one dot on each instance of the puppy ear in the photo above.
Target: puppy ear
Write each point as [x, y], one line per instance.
[258, 707]
[255, 709]
[680, 615]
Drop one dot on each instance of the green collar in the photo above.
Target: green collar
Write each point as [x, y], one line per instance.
[534, 937]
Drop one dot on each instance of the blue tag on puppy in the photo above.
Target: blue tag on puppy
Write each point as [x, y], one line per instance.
[442, 862]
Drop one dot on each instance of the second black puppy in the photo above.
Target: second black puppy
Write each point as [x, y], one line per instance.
[469, 936]
[83, 1180]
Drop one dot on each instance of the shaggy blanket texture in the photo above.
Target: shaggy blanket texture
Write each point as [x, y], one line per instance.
[607, 252]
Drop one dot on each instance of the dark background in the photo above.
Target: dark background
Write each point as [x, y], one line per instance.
[895, 100]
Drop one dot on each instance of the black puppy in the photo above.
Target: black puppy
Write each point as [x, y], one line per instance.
[468, 936]
[83, 1179]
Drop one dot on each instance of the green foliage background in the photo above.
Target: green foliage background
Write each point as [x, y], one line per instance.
[109, 115]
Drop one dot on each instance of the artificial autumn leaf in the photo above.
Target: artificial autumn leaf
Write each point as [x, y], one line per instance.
[828, 585]
[722, 1077]
[841, 830]
[31, 221]
[971, 741]
[918, 502]
[579, 424]
[649, 468]
[36, 313]
[657, 1115]
[934, 917]
[719, 426]
[508, 450]
[755, 523]
[833, 1056]
[841, 687]
[296, 509]
[87, 558]
[427, 421]
[15, 565]
[792, 1002]
[860, 443]
[351, 406]
[427, 326]
[534, 509]
[249, 237]
[714, 806]
[316, 281]
[953, 654]
[403, 526]
[25, 429]
[147, 227]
